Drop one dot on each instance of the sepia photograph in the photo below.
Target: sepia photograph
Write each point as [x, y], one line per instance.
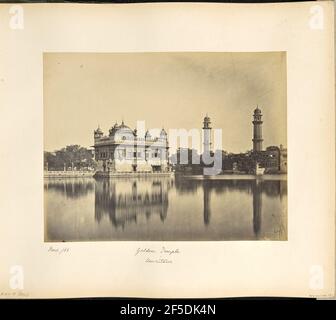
[190, 143]
[165, 146]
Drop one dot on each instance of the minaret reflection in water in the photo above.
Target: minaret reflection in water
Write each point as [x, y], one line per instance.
[257, 206]
[124, 201]
[206, 202]
[256, 187]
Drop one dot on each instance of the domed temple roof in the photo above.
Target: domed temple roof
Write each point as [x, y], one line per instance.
[120, 129]
[123, 126]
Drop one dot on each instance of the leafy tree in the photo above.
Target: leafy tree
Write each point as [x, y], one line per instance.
[73, 156]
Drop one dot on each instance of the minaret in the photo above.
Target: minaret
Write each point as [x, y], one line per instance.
[257, 130]
[206, 135]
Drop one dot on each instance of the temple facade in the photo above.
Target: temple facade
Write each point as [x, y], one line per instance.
[122, 151]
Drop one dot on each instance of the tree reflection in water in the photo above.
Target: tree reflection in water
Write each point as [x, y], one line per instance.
[70, 187]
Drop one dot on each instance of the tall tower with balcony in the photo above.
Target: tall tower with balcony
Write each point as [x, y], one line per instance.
[257, 130]
[206, 135]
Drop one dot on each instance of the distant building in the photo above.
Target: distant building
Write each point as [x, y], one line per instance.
[268, 159]
[123, 151]
[283, 159]
[183, 161]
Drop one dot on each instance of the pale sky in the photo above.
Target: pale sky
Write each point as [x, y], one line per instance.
[174, 90]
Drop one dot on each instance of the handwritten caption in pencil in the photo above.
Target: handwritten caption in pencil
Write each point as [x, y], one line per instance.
[162, 255]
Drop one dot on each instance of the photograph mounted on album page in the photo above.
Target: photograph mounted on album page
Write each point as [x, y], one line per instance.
[145, 158]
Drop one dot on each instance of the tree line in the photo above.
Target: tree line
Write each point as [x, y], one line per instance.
[73, 157]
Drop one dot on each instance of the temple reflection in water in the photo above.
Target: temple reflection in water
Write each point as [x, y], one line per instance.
[254, 208]
[125, 200]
